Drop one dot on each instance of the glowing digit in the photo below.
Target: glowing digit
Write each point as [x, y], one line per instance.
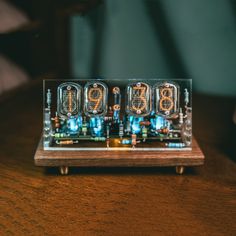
[139, 102]
[68, 99]
[166, 98]
[166, 101]
[95, 98]
[139, 99]
[95, 95]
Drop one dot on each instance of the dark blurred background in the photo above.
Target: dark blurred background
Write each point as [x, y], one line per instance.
[120, 39]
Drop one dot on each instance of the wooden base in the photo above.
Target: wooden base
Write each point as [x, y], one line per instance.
[64, 159]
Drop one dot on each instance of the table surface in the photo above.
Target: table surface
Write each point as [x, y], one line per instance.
[115, 201]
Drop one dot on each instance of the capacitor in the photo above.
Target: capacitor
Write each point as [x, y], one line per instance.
[175, 145]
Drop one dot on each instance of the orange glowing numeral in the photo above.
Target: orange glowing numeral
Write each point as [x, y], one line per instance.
[141, 97]
[70, 100]
[97, 98]
[166, 101]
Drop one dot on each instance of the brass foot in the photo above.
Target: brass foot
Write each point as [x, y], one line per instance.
[179, 169]
[64, 170]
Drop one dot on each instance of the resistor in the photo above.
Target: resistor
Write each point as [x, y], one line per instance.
[98, 139]
[108, 131]
[145, 123]
[186, 96]
[175, 145]
[66, 142]
[121, 129]
[84, 127]
[49, 98]
[144, 132]
[110, 112]
[107, 118]
[108, 142]
[134, 139]
[56, 121]
[163, 130]
[60, 135]
[181, 116]
[128, 127]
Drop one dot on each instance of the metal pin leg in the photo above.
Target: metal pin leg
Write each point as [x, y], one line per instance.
[64, 170]
[179, 169]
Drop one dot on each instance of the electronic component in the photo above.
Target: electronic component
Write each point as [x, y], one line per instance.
[166, 98]
[107, 114]
[95, 98]
[138, 99]
[68, 99]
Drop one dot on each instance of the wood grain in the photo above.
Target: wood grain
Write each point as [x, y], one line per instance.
[194, 157]
[115, 201]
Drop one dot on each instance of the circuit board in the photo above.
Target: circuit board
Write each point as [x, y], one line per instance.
[115, 114]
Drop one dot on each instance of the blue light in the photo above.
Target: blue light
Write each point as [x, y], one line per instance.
[158, 122]
[116, 115]
[96, 125]
[73, 124]
[135, 124]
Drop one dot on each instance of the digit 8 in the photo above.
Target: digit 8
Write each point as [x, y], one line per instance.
[164, 92]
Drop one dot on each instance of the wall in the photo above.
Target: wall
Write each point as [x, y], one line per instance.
[159, 39]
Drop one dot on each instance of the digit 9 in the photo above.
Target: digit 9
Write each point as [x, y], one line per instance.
[95, 98]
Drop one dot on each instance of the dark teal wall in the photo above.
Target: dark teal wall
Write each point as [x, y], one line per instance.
[150, 38]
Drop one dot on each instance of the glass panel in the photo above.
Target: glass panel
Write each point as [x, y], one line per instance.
[138, 99]
[114, 114]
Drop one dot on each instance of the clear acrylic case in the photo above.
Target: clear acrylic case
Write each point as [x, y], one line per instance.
[117, 114]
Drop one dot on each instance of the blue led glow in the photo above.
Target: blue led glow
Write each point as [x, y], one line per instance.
[126, 141]
[158, 122]
[96, 125]
[73, 124]
[135, 124]
[116, 115]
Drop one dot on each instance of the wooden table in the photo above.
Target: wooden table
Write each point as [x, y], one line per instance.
[115, 201]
